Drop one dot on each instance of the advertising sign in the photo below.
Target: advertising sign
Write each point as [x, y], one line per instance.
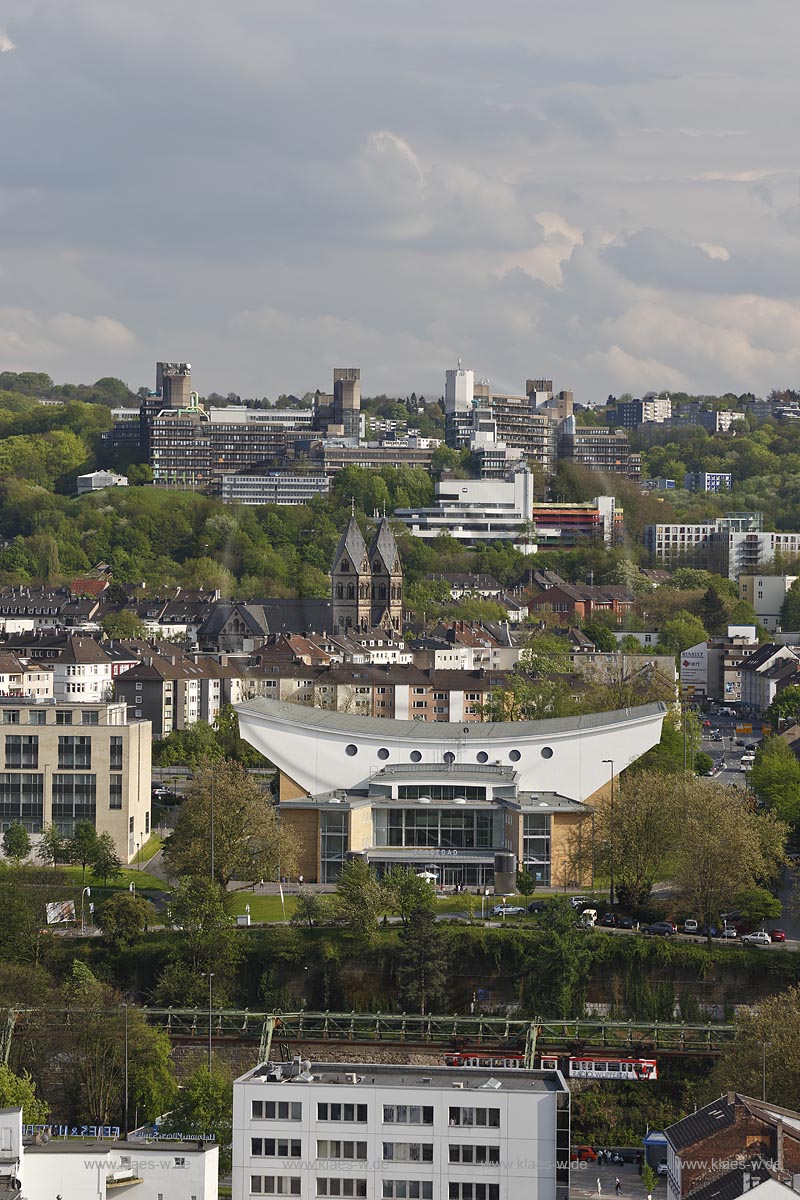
[59, 911]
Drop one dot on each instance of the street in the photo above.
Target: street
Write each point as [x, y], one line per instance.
[584, 1177]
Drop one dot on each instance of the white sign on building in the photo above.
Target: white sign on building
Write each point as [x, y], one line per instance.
[694, 670]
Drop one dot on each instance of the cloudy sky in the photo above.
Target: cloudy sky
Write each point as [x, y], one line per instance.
[607, 194]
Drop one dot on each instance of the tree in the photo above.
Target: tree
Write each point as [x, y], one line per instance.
[725, 845]
[16, 843]
[602, 637]
[310, 908]
[249, 841]
[757, 905]
[124, 917]
[790, 609]
[204, 1108]
[713, 609]
[122, 624]
[624, 683]
[20, 1090]
[52, 848]
[197, 908]
[524, 699]
[526, 884]
[359, 899]
[680, 632]
[639, 835]
[785, 706]
[422, 962]
[775, 778]
[554, 975]
[82, 846]
[766, 1048]
[408, 893]
[106, 863]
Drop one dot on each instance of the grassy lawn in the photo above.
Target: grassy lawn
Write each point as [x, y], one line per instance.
[262, 908]
[150, 848]
[129, 875]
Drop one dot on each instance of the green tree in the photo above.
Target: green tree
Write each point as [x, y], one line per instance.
[756, 904]
[636, 839]
[713, 610]
[20, 1090]
[82, 846]
[526, 699]
[785, 706]
[422, 962]
[555, 973]
[124, 917]
[106, 863]
[249, 842]
[16, 843]
[310, 908]
[680, 632]
[775, 779]
[204, 1108]
[407, 893]
[52, 848]
[197, 908]
[602, 637]
[766, 1048]
[359, 899]
[122, 624]
[790, 609]
[526, 884]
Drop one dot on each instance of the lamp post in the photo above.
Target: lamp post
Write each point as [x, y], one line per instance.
[610, 762]
[87, 891]
[210, 978]
[212, 827]
[126, 1069]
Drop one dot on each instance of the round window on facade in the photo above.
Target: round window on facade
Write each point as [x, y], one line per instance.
[482, 756]
[514, 755]
[547, 751]
[415, 756]
[351, 750]
[449, 757]
[383, 752]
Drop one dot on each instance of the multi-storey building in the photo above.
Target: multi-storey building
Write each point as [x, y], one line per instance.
[407, 1132]
[67, 762]
[275, 487]
[331, 455]
[18, 678]
[651, 410]
[566, 525]
[708, 481]
[174, 692]
[750, 550]
[82, 672]
[475, 510]
[766, 593]
[598, 449]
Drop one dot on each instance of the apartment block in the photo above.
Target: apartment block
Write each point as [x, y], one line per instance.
[360, 1130]
[76, 762]
[598, 449]
[708, 481]
[651, 410]
[276, 487]
[766, 593]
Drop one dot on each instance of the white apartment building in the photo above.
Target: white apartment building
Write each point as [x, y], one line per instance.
[477, 510]
[276, 487]
[748, 550]
[82, 673]
[18, 678]
[38, 1164]
[373, 1132]
[766, 593]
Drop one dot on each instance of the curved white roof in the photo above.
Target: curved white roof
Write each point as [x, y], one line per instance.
[322, 750]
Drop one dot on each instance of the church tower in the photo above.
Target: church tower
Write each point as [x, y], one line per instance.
[350, 582]
[386, 595]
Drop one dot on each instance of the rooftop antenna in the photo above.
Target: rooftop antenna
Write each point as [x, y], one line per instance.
[459, 362]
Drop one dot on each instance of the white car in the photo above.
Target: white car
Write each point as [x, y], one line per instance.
[507, 910]
[759, 938]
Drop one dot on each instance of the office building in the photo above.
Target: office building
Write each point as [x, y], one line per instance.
[275, 487]
[173, 390]
[409, 1132]
[124, 436]
[766, 593]
[331, 455]
[347, 400]
[476, 510]
[67, 762]
[598, 449]
[564, 525]
[459, 401]
[708, 481]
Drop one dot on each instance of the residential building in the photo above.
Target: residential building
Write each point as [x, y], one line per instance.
[96, 481]
[651, 410]
[749, 550]
[475, 510]
[708, 481]
[583, 601]
[66, 762]
[82, 672]
[566, 525]
[730, 1146]
[648, 641]
[713, 669]
[766, 593]
[364, 1130]
[766, 672]
[41, 1161]
[729, 545]
[276, 487]
[173, 692]
[598, 449]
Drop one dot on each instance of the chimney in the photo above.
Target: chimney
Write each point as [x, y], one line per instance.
[779, 1127]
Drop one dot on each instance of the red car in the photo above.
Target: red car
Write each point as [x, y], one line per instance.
[583, 1154]
[777, 935]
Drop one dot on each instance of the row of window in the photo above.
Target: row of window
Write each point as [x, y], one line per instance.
[38, 716]
[391, 1189]
[357, 1151]
[393, 1114]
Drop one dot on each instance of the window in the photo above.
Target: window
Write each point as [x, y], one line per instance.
[37, 718]
[338, 1149]
[408, 1114]
[408, 1151]
[275, 1185]
[475, 1116]
[90, 718]
[341, 1187]
[11, 716]
[74, 753]
[63, 718]
[407, 1189]
[74, 799]
[22, 800]
[342, 1112]
[115, 791]
[480, 1155]
[333, 844]
[22, 750]
[275, 1147]
[282, 1110]
[473, 1191]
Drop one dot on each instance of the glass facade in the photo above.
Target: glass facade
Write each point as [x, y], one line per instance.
[447, 828]
[74, 799]
[440, 791]
[536, 846]
[74, 753]
[116, 754]
[22, 801]
[333, 844]
[22, 750]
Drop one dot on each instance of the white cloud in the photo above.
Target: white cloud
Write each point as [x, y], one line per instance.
[5, 43]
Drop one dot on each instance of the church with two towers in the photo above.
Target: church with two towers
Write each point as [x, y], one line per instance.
[367, 581]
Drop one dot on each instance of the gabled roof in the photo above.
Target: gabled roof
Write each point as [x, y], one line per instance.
[352, 544]
[731, 1185]
[719, 1114]
[83, 650]
[252, 615]
[384, 546]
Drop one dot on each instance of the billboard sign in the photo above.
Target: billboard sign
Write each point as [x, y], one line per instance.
[59, 911]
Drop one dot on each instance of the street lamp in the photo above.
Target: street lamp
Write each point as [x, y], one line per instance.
[87, 891]
[210, 977]
[212, 827]
[610, 762]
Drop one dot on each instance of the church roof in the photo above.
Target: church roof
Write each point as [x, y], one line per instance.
[351, 542]
[384, 545]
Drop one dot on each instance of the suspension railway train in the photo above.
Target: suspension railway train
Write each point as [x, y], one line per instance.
[575, 1066]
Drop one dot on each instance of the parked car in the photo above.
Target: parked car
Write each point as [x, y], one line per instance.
[706, 724]
[609, 920]
[660, 928]
[729, 932]
[583, 1154]
[759, 938]
[706, 932]
[661, 1169]
[536, 906]
[777, 935]
[580, 901]
[628, 923]
[507, 910]
[690, 925]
